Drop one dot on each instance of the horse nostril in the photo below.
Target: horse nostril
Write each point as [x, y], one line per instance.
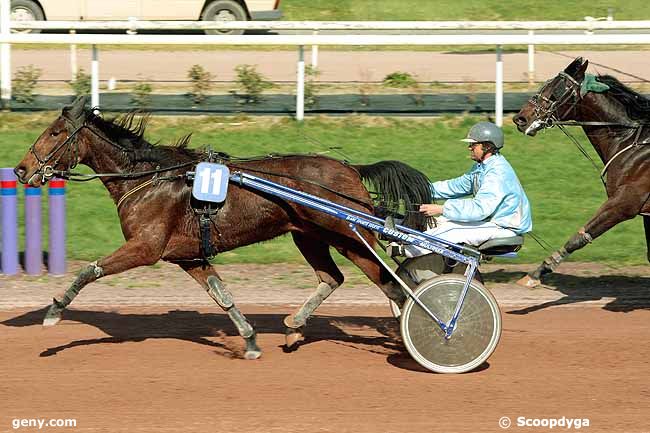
[20, 173]
[519, 120]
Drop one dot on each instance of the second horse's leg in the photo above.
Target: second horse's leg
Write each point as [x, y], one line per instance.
[130, 255]
[618, 208]
[207, 277]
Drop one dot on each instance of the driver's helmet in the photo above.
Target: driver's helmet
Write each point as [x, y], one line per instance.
[485, 131]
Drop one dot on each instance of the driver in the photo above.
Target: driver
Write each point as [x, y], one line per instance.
[498, 206]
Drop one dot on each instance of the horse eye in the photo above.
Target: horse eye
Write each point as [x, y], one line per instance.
[54, 133]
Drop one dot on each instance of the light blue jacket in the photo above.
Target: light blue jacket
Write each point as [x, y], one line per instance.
[498, 196]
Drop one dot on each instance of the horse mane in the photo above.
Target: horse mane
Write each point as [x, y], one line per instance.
[636, 105]
[128, 132]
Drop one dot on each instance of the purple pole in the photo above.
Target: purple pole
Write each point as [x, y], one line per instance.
[56, 261]
[9, 221]
[33, 250]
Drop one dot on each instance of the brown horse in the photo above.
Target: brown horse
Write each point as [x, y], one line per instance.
[159, 219]
[617, 122]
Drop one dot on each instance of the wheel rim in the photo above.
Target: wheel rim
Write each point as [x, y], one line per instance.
[476, 334]
[22, 14]
[225, 15]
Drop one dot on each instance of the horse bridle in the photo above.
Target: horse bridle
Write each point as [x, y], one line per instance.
[547, 117]
[71, 144]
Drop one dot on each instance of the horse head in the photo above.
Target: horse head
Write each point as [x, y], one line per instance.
[57, 148]
[556, 100]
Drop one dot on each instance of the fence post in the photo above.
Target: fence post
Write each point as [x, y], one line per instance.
[5, 55]
[531, 60]
[33, 248]
[314, 53]
[9, 221]
[94, 79]
[56, 263]
[73, 58]
[498, 109]
[300, 90]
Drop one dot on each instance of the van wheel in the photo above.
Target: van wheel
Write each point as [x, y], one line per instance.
[26, 10]
[224, 10]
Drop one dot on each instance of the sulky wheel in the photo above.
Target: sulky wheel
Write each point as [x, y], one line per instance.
[477, 331]
[415, 270]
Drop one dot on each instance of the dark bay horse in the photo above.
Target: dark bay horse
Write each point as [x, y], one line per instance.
[616, 120]
[158, 219]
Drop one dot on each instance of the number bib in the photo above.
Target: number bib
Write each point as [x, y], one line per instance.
[210, 182]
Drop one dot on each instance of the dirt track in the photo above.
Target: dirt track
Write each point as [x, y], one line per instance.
[177, 369]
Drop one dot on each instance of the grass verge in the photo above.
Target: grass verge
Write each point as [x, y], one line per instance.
[563, 188]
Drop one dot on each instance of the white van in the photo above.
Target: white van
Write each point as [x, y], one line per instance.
[75, 10]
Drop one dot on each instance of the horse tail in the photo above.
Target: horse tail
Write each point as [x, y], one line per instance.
[397, 187]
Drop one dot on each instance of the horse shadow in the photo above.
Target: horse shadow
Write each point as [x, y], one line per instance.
[627, 293]
[212, 330]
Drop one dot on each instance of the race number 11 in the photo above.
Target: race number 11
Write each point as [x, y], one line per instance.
[210, 182]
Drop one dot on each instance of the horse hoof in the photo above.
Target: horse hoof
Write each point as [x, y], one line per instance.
[290, 322]
[529, 282]
[293, 337]
[53, 316]
[252, 354]
[51, 321]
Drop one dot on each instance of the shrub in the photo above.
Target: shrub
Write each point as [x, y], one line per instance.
[200, 79]
[81, 83]
[311, 89]
[400, 80]
[252, 82]
[24, 83]
[141, 95]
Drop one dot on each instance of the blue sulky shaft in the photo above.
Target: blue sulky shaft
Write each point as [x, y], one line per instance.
[358, 218]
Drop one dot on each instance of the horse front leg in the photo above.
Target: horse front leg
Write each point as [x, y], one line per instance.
[207, 277]
[132, 254]
[618, 208]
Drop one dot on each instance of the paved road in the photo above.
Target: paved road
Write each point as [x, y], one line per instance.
[334, 65]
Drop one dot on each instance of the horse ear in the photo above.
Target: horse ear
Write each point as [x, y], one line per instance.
[577, 68]
[75, 110]
[580, 75]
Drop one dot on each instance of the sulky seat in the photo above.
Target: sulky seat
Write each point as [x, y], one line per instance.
[499, 246]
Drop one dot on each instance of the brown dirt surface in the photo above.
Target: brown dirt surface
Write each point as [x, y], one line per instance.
[149, 351]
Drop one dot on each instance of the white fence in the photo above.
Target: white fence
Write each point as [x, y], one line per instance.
[530, 38]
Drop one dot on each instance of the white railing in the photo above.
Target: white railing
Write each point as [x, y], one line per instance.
[529, 38]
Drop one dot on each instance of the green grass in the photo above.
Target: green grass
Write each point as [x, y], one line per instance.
[562, 186]
[452, 10]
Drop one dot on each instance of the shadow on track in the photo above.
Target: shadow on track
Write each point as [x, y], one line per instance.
[627, 293]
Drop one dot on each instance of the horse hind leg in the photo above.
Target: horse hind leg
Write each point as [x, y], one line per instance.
[329, 277]
[208, 278]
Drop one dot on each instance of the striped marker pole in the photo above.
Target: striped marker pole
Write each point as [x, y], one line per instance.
[56, 260]
[33, 250]
[9, 260]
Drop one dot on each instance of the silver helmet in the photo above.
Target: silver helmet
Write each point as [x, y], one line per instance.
[485, 131]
